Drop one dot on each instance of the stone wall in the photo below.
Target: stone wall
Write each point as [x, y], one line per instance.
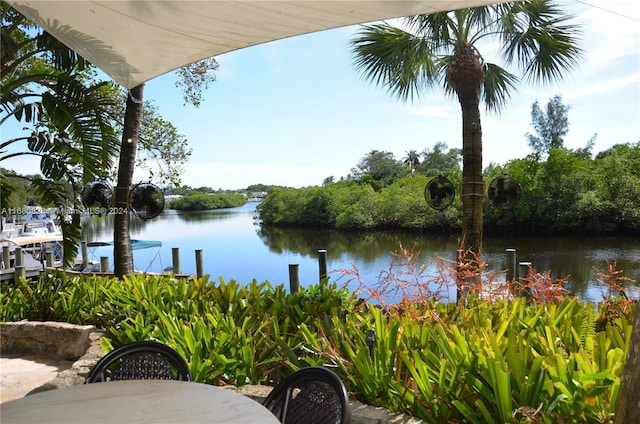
[56, 340]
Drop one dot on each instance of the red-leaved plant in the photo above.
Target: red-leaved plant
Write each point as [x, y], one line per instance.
[408, 285]
[616, 302]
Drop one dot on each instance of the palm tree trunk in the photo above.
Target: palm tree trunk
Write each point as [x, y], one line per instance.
[472, 191]
[466, 75]
[472, 194]
[122, 254]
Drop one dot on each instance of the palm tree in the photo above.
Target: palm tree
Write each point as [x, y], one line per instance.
[412, 160]
[442, 49]
[45, 85]
[51, 87]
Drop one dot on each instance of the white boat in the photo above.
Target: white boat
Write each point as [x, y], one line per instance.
[40, 227]
[9, 229]
[33, 250]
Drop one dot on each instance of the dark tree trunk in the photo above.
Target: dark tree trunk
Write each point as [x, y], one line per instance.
[122, 254]
[466, 75]
[628, 405]
[472, 192]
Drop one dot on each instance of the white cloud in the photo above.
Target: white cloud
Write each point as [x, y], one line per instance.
[607, 86]
[611, 32]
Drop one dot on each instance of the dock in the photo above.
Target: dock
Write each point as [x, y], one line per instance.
[9, 274]
[24, 256]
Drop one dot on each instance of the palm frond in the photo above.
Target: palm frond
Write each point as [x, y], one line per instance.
[436, 27]
[481, 20]
[13, 91]
[82, 112]
[60, 56]
[13, 155]
[445, 62]
[54, 192]
[396, 59]
[9, 142]
[40, 142]
[497, 87]
[536, 36]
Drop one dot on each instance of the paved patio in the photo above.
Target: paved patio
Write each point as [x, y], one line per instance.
[22, 373]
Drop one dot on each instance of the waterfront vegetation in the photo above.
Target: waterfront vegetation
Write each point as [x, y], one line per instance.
[199, 201]
[544, 358]
[568, 192]
[547, 359]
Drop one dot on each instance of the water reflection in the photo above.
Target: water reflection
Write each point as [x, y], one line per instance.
[235, 247]
[366, 247]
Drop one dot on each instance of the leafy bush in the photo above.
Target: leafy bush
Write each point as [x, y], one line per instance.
[477, 362]
[569, 192]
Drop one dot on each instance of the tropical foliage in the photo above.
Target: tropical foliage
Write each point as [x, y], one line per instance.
[73, 121]
[567, 193]
[443, 50]
[571, 193]
[49, 89]
[479, 362]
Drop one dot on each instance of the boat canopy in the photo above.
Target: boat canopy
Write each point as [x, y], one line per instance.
[135, 244]
[36, 239]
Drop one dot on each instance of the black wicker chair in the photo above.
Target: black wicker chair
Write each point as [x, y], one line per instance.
[313, 395]
[146, 360]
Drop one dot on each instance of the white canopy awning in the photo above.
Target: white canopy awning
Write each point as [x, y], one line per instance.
[134, 41]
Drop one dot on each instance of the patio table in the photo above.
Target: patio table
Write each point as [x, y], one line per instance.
[136, 401]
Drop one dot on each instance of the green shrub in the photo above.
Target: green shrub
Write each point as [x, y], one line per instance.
[484, 362]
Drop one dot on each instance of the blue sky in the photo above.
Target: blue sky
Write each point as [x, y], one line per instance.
[294, 112]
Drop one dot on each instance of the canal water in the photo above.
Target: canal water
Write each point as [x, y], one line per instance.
[235, 246]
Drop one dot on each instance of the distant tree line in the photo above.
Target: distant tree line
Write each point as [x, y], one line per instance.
[380, 192]
[572, 193]
[206, 198]
[569, 192]
[200, 201]
[19, 192]
[561, 190]
[186, 189]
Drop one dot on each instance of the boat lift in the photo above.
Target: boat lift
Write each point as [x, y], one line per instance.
[136, 244]
[32, 251]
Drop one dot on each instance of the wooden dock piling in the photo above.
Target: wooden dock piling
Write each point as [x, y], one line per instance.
[510, 260]
[175, 260]
[6, 257]
[322, 264]
[104, 264]
[199, 264]
[85, 254]
[20, 272]
[49, 259]
[523, 272]
[294, 277]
